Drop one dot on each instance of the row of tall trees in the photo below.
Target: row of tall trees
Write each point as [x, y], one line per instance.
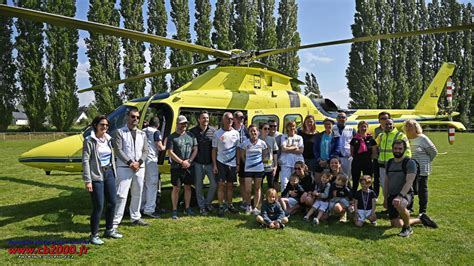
[46, 63]
[394, 73]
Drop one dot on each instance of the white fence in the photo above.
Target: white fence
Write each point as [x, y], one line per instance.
[34, 135]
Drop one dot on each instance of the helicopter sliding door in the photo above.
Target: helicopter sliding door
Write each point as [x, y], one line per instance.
[164, 112]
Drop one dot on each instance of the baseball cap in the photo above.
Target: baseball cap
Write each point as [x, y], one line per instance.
[182, 119]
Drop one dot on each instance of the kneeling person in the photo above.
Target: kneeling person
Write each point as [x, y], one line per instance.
[398, 190]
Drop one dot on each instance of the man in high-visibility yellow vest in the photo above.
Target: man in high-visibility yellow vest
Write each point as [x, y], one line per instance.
[384, 144]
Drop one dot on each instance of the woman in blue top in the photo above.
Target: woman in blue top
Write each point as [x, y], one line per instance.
[325, 147]
[98, 164]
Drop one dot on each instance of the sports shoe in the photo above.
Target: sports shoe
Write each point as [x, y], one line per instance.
[189, 212]
[232, 209]
[427, 221]
[316, 221]
[209, 208]
[248, 210]
[95, 239]
[112, 233]
[406, 232]
[262, 225]
[221, 211]
[140, 222]
[174, 215]
[343, 218]
[203, 211]
[282, 226]
[255, 211]
[243, 205]
[374, 223]
[154, 215]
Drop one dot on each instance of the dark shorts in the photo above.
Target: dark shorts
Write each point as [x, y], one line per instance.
[226, 173]
[241, 170]
[254, 174]
[392, 211]
[182, 176]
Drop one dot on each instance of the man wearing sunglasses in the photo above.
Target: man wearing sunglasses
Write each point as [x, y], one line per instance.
[344, 134]
[132, 150]
[384, 143]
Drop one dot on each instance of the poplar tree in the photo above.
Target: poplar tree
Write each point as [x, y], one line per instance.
[61, 54]
[385, 85]
[104, 55]
[244, 24]
[288, 36]
[180, 17]
[157, 21]
[453, 11]
[427, 71]
[266, 30]
[466, 86]
[31, 73]
[312, 85]
[202, 27]
[436, 21]
[8, 89]
[414, 55]
[362, 68]
[400, 55]
[221, 36]
[134, 58]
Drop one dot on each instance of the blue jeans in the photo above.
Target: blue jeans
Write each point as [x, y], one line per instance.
[201, 170]
[103, 190]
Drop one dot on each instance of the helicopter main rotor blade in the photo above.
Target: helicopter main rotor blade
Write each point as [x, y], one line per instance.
[269, 52]
[153, 74]
[59, 20]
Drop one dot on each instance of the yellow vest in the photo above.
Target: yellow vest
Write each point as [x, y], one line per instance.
[385, 141]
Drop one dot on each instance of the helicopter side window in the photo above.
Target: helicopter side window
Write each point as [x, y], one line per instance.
[292, 117]
[215, 116]
[258, 119]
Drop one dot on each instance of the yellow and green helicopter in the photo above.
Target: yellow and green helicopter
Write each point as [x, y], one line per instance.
[239, 82]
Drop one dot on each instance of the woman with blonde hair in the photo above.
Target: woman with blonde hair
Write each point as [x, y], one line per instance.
[423, 151]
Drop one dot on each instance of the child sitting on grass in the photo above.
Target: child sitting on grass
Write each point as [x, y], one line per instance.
[340, 195]
[364, 202]
[290, 197]
[272, 215]
[321, 194]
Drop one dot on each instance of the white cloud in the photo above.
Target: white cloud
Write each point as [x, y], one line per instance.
[82, 68]
[338, 96]
[81, 44]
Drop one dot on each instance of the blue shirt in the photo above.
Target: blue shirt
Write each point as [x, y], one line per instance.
[325, 147]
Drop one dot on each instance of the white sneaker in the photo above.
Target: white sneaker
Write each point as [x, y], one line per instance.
[315, 221]
[256, 211]
[248, 210]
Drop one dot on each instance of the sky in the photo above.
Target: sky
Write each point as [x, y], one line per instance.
[318, 21]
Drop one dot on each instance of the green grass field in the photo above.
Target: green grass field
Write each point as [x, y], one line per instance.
[34, 206]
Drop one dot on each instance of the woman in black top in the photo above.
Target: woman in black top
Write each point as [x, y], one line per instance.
[363, 148]
[307, 182]
[308, 133]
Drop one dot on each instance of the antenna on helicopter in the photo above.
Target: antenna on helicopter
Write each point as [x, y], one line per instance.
[449, 98]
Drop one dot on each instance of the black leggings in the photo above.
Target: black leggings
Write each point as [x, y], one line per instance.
[358, 166]
[423, 193]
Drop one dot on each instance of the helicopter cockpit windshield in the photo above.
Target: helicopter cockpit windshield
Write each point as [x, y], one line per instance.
[118, 119]
[329, 108]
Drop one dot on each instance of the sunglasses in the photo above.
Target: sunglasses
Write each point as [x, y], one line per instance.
[298, 168]
[266, 128]
[104, 125]
[135, 116]
[343, 117]
[383, 118]
[273, 126]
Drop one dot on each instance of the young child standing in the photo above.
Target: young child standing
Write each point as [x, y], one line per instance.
[340, 195]
[290, 197]
[272, 215]
[321, 194]
[365, 201]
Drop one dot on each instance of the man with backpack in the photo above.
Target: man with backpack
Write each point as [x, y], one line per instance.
[398, 192]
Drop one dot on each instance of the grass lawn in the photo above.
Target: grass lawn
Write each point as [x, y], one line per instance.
[34, 206]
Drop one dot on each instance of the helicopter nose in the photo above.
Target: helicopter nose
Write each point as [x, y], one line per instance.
[63, 154]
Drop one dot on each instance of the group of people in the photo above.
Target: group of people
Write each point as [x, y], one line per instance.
[312, 170]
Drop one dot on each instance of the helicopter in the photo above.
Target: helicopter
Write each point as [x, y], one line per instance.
[239, 82]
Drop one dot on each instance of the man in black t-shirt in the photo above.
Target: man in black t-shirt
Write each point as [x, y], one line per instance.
[203, 162]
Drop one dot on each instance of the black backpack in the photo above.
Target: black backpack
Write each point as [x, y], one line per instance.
[404, 169]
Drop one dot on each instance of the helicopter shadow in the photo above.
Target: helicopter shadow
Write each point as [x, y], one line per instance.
[58, 212]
